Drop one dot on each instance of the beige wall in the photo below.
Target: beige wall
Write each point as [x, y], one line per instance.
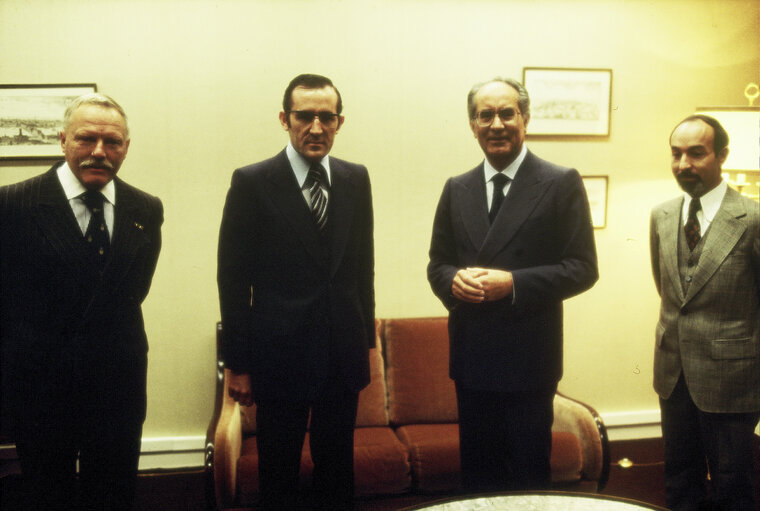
[202, 83]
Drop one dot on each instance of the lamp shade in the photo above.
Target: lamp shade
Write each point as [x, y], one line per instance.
[743, 127]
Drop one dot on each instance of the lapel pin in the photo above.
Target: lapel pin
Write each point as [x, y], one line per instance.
[139, 226]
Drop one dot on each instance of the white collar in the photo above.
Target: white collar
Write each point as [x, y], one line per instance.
[301, 165]
[510, 171]
[710, 201]
[73, 188]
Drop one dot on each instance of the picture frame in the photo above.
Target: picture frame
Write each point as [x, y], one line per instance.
[31, 118]
[568, 101]
[596, 190]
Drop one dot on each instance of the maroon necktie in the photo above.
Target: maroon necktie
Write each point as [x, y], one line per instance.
[691, 228]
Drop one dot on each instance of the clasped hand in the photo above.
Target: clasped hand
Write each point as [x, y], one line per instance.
[478, 285]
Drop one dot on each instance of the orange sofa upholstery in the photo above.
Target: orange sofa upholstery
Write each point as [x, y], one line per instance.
[406, 438]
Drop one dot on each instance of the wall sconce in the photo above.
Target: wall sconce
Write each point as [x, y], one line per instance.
[742, 167]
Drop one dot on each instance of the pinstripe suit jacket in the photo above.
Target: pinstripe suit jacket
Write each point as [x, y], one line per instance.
[712, 331]
[71, 344]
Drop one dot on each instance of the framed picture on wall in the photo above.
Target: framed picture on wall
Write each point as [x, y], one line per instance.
[573, 102]
[31, 117]
[596, 189]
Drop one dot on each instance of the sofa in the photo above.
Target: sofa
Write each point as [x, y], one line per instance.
[406, 438]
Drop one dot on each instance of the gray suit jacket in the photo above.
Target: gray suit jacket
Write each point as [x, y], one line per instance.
[711, 332]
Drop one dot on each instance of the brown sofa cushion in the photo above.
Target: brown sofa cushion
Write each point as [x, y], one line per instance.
[373, 399]
[567, 457]
[417, 370]
[381, 465]
[434, 455]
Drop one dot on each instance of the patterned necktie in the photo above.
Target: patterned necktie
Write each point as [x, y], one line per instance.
[316, 183]
[97, 232]
[691, 228]
[499, 181]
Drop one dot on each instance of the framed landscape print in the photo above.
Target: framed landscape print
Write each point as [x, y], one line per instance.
[31, 117]
[571, 102]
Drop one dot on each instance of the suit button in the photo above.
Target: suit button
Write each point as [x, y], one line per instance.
[684, 311]
[688, 278]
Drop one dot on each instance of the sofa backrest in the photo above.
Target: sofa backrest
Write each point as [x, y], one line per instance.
[373, 399]
[417, 371]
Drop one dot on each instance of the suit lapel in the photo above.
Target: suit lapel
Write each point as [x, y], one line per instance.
[724, 233]
[471, 192]
[524, 195]
[56, 219]
[342, 196]
[288, 198]
[128, 233]
[669, 229]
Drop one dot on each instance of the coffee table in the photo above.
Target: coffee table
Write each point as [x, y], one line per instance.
[535, 501]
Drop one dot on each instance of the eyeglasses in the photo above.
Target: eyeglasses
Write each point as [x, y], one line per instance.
[485, 117]
[328, 119]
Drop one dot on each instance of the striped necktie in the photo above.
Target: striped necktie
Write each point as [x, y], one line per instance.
[316, 183]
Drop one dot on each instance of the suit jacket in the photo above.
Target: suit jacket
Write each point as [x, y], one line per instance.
[544, 236]
[296, 306]
[712, 331]
[71, 344]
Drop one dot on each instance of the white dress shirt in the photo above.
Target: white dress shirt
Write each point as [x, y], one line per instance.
[301, 166]
[710, 203]
[510, 172]
[74, 190]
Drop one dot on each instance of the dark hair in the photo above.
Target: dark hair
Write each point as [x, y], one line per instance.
[720, 138]
[308, 81]
[523, 100]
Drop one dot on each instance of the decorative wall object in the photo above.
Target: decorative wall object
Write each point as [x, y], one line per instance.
[31, 117]
[573, 102]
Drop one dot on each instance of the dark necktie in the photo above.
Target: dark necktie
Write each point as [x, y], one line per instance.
[96, 236]
[499, 181]
[691, 228]
[316, 183]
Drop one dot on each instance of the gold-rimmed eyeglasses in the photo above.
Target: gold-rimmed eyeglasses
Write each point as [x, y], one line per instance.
[486, 117]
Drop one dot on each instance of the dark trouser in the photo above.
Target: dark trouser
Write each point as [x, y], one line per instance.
[696, 442]
[505, 439]
[108, 463]
[281, 427]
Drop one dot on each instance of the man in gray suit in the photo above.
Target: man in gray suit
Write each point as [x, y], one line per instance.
[705, 249]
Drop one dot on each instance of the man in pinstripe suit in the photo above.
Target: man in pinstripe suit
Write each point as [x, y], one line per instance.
[705, 248]
[78, 251]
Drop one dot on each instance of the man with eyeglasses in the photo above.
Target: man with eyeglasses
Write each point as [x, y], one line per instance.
[296, 288]
[512, 238]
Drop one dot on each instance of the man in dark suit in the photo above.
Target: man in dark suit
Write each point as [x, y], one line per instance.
[512, 238]
[78, 252]
[296, 272]
[705, 248]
